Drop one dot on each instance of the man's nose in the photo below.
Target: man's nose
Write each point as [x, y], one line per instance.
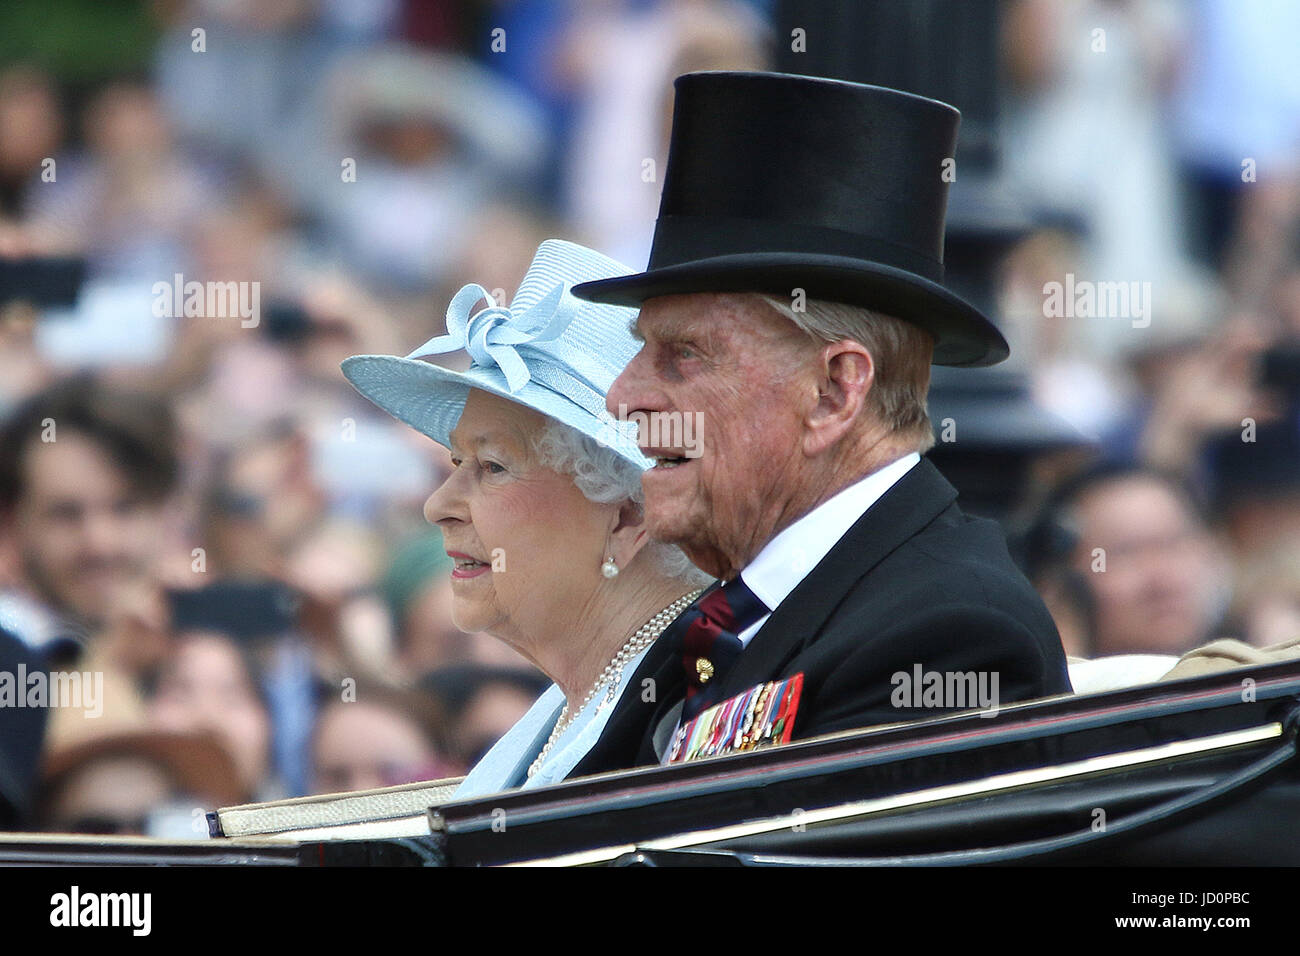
[630, 392]
[102, 532]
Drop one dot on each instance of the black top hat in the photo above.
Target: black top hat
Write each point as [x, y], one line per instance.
[776, 182]
[995, 411]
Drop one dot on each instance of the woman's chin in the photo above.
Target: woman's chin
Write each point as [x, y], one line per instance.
[471, 616]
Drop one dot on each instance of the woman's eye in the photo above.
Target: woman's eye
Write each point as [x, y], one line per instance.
[492, 468]
[456, 462]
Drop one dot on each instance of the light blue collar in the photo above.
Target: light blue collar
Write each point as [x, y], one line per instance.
[505, 766]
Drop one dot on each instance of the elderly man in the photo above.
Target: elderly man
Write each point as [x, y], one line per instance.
[790, 314]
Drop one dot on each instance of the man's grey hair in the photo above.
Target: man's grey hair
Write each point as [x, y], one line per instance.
[901, 352]
[606, 477]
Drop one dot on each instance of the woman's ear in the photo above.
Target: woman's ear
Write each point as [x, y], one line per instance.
[629, 535]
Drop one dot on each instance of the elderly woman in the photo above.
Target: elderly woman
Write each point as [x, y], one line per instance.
[543, 511]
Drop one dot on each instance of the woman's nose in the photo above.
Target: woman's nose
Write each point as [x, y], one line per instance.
[447, 503]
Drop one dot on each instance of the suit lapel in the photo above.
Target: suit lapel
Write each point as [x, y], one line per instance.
[908, 506]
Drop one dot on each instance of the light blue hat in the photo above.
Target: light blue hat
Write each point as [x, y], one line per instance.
[549, 351]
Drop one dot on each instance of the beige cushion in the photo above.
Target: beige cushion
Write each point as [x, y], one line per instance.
[1223, 655]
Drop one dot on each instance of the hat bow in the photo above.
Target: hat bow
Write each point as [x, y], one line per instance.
[491, 335]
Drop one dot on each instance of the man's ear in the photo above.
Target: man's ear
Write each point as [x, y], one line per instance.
[846, 372]
[628, 535]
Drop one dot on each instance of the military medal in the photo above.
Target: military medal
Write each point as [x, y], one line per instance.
[762, 716]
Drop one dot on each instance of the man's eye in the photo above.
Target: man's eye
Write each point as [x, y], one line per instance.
[492, 468]
[66, 511]
[685, 352]
[456, 462]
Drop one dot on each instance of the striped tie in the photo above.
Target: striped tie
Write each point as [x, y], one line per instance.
[705, 637]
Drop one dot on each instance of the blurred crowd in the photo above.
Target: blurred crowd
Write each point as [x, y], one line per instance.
[228, 533]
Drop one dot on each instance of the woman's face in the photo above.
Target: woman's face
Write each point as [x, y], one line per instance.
[527, 544]
[205, 685]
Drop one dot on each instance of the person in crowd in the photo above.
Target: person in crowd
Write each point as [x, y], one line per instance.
[416, 587]
[542, 514]
[1266, 598]
[374, 735]
[31, 129]
[1154, 578]
[141, 783]
[624, 108]
[86, 472]
[482, 702]
[132, 200]
[1256, 506]
[207, 684]
[437, 136]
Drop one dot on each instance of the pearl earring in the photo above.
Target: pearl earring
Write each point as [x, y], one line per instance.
[609, 568]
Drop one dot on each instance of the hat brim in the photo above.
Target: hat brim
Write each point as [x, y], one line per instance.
[1017, 424]
[963, 335]
[431, 398]
[198, 763]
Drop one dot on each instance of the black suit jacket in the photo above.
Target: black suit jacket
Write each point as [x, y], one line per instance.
[914, 581]
[22, 738]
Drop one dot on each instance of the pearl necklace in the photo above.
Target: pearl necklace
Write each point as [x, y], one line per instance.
[609, 677]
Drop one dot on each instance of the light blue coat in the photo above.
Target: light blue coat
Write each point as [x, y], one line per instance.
[505, 766]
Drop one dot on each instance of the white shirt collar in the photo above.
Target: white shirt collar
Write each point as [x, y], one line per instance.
[788, 558]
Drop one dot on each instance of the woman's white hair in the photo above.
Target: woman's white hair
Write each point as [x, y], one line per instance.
[606, 477]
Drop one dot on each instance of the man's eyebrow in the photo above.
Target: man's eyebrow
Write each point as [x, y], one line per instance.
[668, 328]
[634, 331]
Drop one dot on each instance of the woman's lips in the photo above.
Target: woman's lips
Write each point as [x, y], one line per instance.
[466, 566]
[470, 572]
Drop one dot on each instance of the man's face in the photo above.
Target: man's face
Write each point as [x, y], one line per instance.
[1156, 589]
[360, 746]
[742, 372]
[82, 535]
